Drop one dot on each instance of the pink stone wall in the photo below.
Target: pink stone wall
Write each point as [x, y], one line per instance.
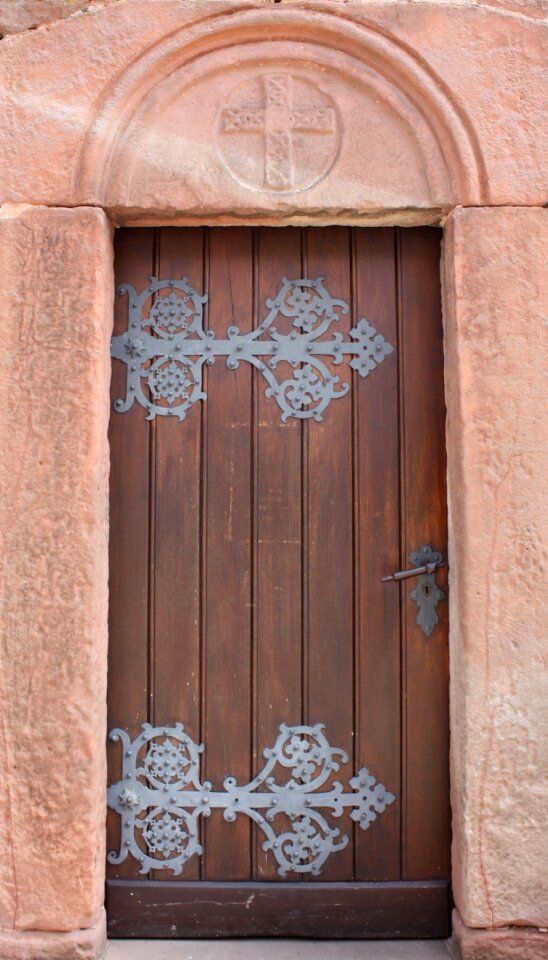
[504, 943]
[56, 314]
[19, 15]
[86, 944]
[496, 292]
[453, 92]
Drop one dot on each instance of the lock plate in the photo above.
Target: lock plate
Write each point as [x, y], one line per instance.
[426, 594]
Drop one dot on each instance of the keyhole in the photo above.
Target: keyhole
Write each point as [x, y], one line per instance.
[427, 588]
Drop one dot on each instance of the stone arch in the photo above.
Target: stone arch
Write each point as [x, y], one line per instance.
[386, 86]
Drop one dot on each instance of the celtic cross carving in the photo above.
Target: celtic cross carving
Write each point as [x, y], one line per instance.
[160, 799]
[279, 118]
[165, 350]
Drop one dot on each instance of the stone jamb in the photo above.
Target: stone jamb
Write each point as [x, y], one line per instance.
[56, 320]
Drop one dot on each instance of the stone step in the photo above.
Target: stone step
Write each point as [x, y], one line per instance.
[277, 950]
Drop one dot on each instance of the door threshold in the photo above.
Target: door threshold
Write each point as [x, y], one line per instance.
[277, 950]
[170, 909]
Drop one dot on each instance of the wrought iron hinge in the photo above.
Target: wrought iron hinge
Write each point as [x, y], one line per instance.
[166, 349]
[160, 798]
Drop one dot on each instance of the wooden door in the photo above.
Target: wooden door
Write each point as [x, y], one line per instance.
[246, 555]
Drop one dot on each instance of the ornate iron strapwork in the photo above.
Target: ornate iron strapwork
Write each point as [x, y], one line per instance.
[165, 350]
[160, 799]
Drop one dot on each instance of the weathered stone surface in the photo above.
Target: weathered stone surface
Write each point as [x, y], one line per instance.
[56, 315]
[87, 944]
[19, 15]
[495, 305]
[431, 106]
[511, 943]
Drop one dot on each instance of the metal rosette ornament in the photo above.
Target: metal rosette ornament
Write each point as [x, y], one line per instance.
[311, 760]
[161, 374]
[161, 768]
[309, 390]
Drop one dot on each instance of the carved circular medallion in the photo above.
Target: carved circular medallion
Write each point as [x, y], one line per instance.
[278, 133]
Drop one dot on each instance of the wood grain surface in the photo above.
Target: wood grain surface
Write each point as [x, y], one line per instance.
[246, 557]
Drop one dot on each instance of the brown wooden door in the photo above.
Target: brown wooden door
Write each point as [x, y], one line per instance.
[245, 592]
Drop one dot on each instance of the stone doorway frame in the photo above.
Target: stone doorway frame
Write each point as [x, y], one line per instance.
[56, 250]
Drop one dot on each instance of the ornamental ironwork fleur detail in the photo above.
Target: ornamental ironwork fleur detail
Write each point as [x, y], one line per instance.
[160, 799]
[166, 349]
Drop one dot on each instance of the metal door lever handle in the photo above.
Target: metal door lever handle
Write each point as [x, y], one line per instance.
[426, 594]
[414, 572]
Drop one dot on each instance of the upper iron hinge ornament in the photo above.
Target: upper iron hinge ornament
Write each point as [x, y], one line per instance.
[165, 350]
[160, 799]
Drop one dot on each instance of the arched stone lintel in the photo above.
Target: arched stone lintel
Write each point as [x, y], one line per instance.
[406, 87]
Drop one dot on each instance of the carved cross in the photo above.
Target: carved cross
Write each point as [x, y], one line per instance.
[279, 120]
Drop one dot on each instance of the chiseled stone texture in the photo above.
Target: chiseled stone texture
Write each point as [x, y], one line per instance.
[19, 15]
[87, 944]
[495, 313]
[432, 105]
[56, 314]
[510, 943]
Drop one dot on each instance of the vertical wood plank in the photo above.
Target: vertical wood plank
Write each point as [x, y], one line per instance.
[426, 729]
[328, 489]
[176, 633]
[377, 552]
[228, 545]
[278, 651]
[129, 538]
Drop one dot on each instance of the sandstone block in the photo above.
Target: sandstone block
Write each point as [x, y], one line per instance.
[496, 292]
[56, 309]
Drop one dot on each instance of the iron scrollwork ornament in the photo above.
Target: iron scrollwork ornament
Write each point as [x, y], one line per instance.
[160, 799]
[166, 349]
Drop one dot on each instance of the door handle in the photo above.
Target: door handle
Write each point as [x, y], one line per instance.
[413, 572]
[425, 560]
[426, 594]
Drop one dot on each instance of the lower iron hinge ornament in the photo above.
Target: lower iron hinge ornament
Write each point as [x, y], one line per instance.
[160, 799]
